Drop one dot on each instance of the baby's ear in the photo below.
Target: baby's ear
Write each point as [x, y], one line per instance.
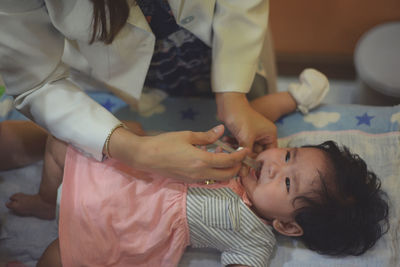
[291, 228]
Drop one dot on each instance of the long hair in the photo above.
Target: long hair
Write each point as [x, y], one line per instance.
[109, 16]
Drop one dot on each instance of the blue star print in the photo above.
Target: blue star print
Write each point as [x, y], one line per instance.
[280, 120]
[189, 113]
[108, 105]
[364, 119]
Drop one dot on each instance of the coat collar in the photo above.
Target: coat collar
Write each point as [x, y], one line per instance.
[137, 18]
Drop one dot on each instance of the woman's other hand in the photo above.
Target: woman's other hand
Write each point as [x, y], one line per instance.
[249, 127]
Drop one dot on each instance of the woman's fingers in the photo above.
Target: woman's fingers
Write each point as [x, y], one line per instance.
[181, 155]
[231, 141]
[224, 160]
[219, 174]
[217, 166]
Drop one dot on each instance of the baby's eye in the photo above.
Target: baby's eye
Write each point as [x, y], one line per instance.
[287, 157]
[287, 182]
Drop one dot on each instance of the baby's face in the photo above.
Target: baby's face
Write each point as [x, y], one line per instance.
[285, 174]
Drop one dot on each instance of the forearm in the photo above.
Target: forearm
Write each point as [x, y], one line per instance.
[69, 114]
[228, 100]
[235, 60]
[122, 145]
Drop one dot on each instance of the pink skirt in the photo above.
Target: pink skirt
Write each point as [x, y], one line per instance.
[112, 215]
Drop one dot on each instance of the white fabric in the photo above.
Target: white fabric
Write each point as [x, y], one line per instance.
[20, 235]
[33, 34]
[382, 155]
[311, 91]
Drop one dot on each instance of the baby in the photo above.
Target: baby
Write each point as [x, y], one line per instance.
[113, 215]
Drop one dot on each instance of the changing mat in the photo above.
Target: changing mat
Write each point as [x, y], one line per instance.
[370, 131]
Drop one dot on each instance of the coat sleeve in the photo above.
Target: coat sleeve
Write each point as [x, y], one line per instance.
[239, 28]
[30, 65]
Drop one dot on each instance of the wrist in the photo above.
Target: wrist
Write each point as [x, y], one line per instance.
[229, 102]
[106, 147]
[122, 143]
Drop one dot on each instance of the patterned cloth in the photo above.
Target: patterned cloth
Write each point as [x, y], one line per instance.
[181, 62]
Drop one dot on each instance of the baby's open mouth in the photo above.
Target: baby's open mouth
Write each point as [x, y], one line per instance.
[256, 173]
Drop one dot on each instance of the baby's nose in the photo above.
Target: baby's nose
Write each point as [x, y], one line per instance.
[273, 170]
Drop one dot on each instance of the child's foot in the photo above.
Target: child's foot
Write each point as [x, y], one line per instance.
[31, 205]
[311, 91]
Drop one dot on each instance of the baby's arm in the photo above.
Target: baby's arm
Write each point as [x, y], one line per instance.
[275, 105]
[305, 96]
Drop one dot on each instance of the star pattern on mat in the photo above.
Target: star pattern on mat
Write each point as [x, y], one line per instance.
[280, 120]
[364, 119]
[189, 114]
[108, 104]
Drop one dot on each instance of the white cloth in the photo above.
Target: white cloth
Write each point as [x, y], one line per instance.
[33, 34]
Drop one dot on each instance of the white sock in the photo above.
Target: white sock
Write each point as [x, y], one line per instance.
[311, 90]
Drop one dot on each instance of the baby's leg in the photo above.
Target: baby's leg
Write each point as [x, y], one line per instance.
[21, 142]
[274, 106]
[43, 204]
[51, 256]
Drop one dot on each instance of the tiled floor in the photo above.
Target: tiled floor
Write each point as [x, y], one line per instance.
[347, 92]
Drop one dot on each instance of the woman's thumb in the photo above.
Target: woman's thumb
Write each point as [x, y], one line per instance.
[209, 137]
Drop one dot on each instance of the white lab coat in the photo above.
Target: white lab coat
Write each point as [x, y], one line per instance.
[32, 42]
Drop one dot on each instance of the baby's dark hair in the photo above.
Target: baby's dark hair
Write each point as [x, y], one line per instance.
[350, 212]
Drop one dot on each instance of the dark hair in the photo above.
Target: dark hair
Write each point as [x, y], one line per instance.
[109, 16]
[350, 212]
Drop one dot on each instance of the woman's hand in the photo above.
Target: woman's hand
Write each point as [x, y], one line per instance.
[250, 128]
[175, 154]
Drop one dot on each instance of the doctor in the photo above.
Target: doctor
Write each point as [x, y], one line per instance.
[116, 44]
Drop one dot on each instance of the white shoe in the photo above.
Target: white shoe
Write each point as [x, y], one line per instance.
[311, 91]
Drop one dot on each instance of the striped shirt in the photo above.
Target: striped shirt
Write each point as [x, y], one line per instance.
[218, 218]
